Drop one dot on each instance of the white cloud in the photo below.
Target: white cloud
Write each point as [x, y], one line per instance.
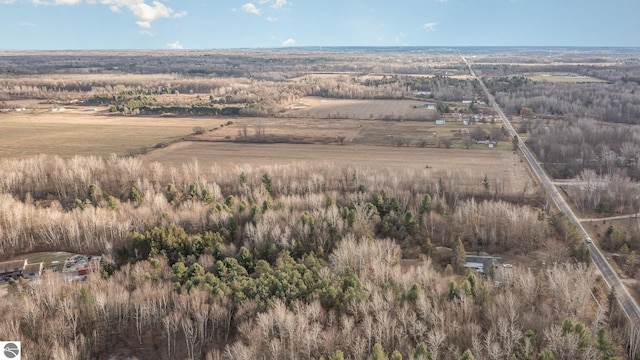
[272, 19]
[428, 26]
[148, 13]
[145, 12]
[175, 45]
[250, 8]
[279, 4]
[54, 2]
[147, 33]
[276, 4]
[288, 42]
[66, 2]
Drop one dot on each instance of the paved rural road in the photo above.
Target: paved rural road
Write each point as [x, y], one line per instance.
[624, 298]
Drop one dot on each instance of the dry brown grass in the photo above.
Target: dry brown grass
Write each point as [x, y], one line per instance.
[562, 78]
[321, 108]
[368, 142]
[465, 165]
[326, 76]
[76, 132]
[353, 75]
[311, 125]
[292, 130]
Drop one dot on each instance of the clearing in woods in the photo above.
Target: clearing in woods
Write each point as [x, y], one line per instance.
[562, 78]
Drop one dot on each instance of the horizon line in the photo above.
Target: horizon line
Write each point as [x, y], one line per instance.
[320, 47]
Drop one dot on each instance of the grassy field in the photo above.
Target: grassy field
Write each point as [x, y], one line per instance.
[321, 108]
[468, 165]
[214, 153]
[370, 141]
[325, 121]
[309, 130]
[48, 258]
[45, 257]
[352, 75]
[76, 132]
[561, 77]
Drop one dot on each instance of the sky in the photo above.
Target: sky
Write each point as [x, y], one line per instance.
[229, 24]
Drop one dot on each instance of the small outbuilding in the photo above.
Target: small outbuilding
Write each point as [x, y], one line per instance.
[32, 270]
[482, 264]
[20, 268]
[475, 266]
[12, 269]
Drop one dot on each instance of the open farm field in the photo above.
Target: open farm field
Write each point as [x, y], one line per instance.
[304, 130]
[380, 76]
[462, 77]
[285, 130]
[358, 76]
[321, 108]
[341, 75]
[87, 78]
[411, 133]
[75, 132]
[562, 78]
[468, 166]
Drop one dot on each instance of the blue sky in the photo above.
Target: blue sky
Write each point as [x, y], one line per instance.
[215, 24]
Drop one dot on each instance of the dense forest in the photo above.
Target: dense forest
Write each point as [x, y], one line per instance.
[575, 126]
[615, 102]
[253, 83]
[265, 64]
[583, 129]
[294, 262]
[211, 96]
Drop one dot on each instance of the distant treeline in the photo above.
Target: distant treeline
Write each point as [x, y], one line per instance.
[198, 109]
